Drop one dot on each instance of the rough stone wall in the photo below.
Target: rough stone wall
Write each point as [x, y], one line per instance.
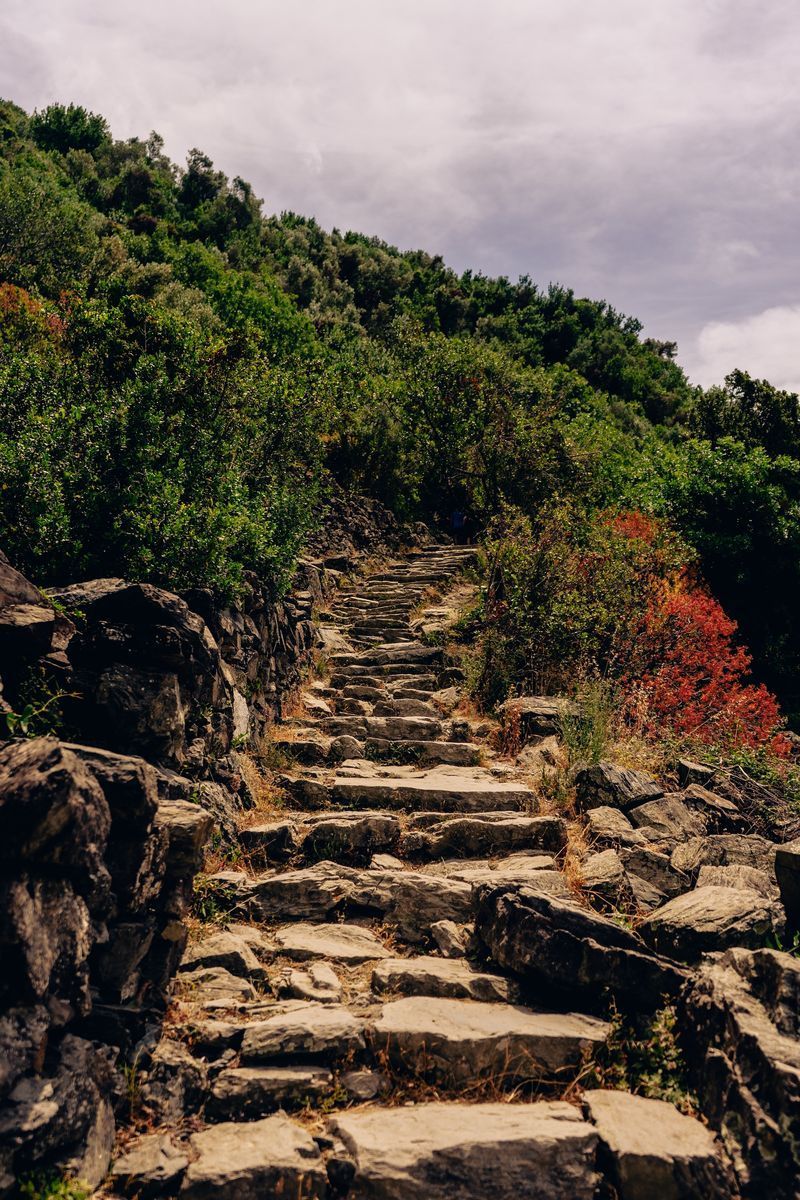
[101, 833]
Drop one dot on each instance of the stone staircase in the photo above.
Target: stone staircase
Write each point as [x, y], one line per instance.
[336, 1035]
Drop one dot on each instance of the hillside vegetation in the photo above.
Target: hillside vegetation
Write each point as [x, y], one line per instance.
[181, 377]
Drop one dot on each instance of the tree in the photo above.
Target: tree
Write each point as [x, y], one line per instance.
[68, 127]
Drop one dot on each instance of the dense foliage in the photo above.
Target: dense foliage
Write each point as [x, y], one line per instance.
[181, 375]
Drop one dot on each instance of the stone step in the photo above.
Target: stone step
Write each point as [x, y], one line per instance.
[404, 707]
[247, 1093]
[393, 729]
[435, 790]
[410, 900]
[271, 1157]
[392, 654]
[358, 670]
[304, 1033]
[427, 753]
[445, 977]
[462, 1041]
[481, 835]
[444, 1151]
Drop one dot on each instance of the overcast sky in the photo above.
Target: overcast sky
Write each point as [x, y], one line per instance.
[644, 151]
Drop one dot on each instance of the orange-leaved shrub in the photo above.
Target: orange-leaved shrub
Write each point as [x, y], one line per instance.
[614, 596]
[686, 675]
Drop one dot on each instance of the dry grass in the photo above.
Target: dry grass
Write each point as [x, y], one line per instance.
[578, 847]
[639, 755]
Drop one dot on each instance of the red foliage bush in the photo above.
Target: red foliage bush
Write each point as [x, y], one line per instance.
[24, 318]
[686, 674]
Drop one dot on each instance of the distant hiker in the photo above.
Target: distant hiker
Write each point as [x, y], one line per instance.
[458, 524]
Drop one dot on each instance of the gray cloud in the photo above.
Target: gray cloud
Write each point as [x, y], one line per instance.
[647, 153]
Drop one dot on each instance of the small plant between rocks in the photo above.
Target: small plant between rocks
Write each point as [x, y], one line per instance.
[52, 1187]
[643, 1055]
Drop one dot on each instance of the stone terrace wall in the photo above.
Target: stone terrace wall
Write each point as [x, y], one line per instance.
[101, 833]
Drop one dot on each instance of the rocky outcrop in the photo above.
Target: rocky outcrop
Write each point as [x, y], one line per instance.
[740, 1022]
[94, 874]
[649, 1149]
[563, 950]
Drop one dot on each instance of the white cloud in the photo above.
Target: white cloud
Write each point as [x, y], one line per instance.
[648, 153]
[766, 345]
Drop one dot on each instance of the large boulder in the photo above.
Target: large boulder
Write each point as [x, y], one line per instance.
[54, 817]
[63, 1112]
[27, 625]
[710, 918]
[565, 950]
[787, 871]
[649, 1149]
[741, 1030]
[95, 874]
[526, 717]
[148, 674]
[439, 1151]
[616, 787]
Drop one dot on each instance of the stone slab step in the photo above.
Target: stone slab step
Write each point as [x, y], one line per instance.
[444, 1151]
[394, 729]
[342, 943]
[425, 753]
[272, 1157]
[439, 791]
[392, 654]
[449, 977]
[322, 1032]
[412, 901]
[246, 1093]
[465, 1040]
[479, 836]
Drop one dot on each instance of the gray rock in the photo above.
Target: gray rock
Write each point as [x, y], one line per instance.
[654, 1150]
[537, 716]
[618, 787]
[482, 836]
[343, 943]
[740, 1025]
[54, 815]
[308, 1031]
[364, 1085]
[351, 837]
[414, 902]
[709, 918]
[656, 869]
[690, 772]
[722, 850]
[152, 1167]
[734, 875]
[451, 939]
[719, 812]
[318, 982]
[250, 1161]
[23, 1032]
[463, 1040]
[608, 826]
[245, 1093]
[668, 819]
[270, 841]
[578, 955]
[468, 1152]
[208, 985]
[172, 1083]
[603, 876]
[226, 949]
[345, 747]
[453, 978]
